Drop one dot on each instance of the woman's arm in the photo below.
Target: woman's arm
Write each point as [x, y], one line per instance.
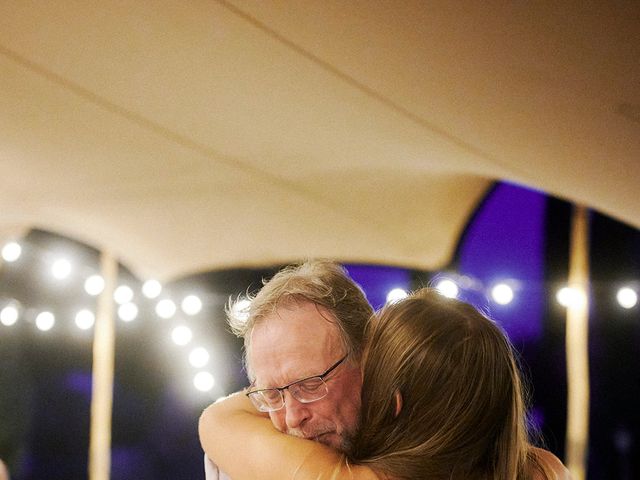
[246, 445]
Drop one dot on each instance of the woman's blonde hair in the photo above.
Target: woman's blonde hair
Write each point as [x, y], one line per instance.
[462, 408]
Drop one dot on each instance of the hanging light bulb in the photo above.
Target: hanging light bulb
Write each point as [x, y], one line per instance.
[191, 305]
[570, 297]
[199, 357]
[128, 312]
[502, 294]
[11, 252]
[61, 269]
[94, 285]
[181, 335]
[9, 315]
[123, 294]
[203, 381]
[45, 321]
[85, 319]
[396, 294]
[166, 308]
[627, 297]
[448, 288]
[151, 289]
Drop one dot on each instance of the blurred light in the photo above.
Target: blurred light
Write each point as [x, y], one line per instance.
[94, 285]
[11, 252]
[623, 440]
[9, 315]
[45, 321]
[123, 294]
[502, 294]
[128, 312]
[199, 357]
[181, 335]
[203, 381]
[571, 297]
[166, 308]
[469, 282]
[85, 319]
[240, 309]
[191, 305]
[151, 288]
[61, 269]
[448, 288]
[627, 297]
[396, 294]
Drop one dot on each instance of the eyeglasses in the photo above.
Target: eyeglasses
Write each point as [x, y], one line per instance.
[306, 390]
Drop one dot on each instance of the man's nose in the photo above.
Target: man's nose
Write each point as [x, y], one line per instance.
[296, 412]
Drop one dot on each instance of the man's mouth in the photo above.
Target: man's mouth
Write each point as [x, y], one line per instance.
[323, 437]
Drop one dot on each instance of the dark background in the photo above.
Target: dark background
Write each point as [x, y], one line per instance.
[516, 234]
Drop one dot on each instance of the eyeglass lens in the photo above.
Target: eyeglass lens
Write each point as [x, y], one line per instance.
[305, 391]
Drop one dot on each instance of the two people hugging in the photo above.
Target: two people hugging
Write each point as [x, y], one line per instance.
[426, 388]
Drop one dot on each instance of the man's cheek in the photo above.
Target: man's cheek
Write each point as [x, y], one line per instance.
[277, 418]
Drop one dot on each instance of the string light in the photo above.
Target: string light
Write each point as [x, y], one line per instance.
[448, 288]
[627, 297]
[396, 294]
[61, 269]
[94, 285]
[502, 294]
[191, 305]
[203, 381]
[9, 315]
[151, 289]
[166, 308]
[85, 319]
[199, 357]
[181, 335]
[45, 321]
[128, 312]
[570, 297]
[123, 294]
[11, 252]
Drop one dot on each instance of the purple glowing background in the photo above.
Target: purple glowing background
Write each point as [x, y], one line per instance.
[377, 281]
[506, 241]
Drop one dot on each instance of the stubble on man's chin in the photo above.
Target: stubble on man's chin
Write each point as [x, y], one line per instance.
[348, 438]
[345, 443]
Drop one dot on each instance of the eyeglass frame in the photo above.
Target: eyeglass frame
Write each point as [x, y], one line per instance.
[280, 390]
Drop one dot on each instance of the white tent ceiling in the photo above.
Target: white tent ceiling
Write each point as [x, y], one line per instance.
[187, 136]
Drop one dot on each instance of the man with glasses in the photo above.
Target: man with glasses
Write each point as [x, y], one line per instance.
[305, 390]
[303, 342]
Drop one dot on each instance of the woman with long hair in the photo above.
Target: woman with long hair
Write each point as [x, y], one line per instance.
[441, 399]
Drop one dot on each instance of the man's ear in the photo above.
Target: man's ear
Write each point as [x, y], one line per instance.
[398, 398]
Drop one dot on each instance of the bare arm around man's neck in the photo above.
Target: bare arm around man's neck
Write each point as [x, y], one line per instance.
[246, 445]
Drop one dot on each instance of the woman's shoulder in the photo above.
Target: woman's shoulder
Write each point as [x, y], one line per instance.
[326, 463]
[365, 473]
[552, 463]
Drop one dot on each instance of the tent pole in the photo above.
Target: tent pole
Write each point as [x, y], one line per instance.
[577, 348]
[102, 377]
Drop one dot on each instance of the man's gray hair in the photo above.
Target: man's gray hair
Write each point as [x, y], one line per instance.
[321, 282]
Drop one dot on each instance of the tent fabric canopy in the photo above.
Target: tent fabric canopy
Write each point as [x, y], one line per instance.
[188, 136]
